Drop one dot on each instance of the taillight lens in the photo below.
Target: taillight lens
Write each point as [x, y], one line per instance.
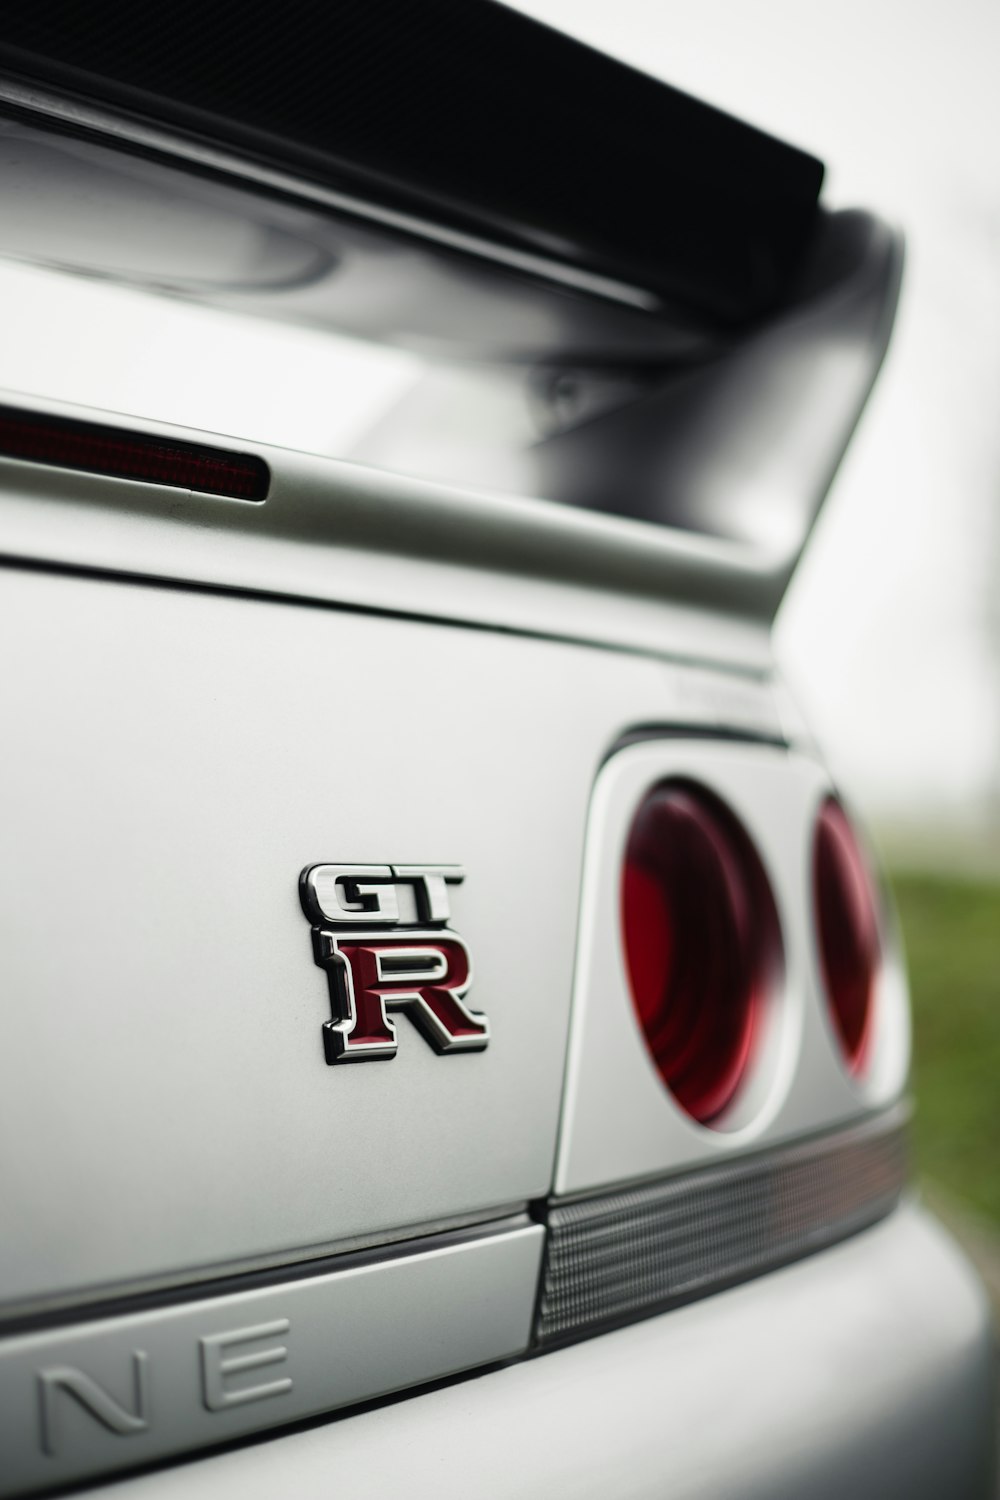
[847, 931]
[702, 943]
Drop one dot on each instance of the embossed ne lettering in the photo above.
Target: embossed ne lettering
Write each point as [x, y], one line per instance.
[94, 1399]
[217, 1368]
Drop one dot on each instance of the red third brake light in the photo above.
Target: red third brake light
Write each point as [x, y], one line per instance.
[95, 449]
[702, 943]
[847, 927]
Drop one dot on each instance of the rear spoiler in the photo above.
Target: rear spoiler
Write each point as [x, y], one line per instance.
[716, 389]
[461, 113]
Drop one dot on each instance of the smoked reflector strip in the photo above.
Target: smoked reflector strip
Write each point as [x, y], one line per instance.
[623, 1256]
[128, 455]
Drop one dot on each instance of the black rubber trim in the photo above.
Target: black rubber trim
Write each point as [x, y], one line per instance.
[620, 1256]
[464, 112]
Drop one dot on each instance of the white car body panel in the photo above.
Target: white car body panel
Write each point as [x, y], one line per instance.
[202, 696]
[183, 756]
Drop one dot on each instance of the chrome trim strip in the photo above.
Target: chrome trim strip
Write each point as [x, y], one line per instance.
[123, 1391]
[626, 1255]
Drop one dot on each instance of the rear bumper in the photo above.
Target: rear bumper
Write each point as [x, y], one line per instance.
[866, 1370]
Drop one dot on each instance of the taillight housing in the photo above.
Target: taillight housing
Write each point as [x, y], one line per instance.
[847, 932]
[701, 942]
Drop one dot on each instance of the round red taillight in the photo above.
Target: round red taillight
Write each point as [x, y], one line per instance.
[702, 944]
[847, 929]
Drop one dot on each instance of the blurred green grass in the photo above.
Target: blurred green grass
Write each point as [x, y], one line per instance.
[951, 928]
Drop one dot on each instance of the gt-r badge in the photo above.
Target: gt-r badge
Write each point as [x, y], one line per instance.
[381, 933]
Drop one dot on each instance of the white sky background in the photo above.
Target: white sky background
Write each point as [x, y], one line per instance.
[890, 635]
